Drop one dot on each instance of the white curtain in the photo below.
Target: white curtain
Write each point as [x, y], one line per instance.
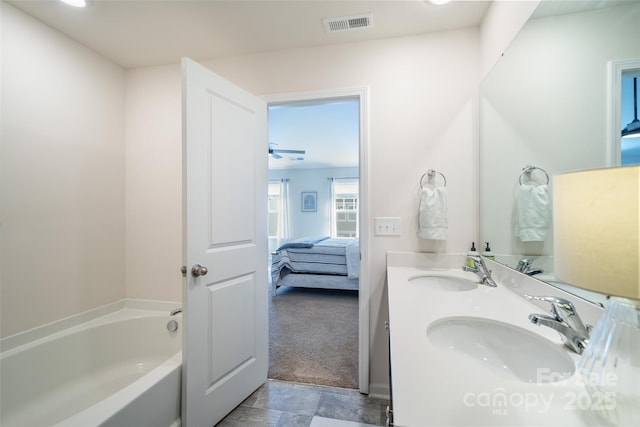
[283, 218]
[332, 198]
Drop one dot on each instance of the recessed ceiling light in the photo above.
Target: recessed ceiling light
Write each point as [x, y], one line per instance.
[439, 2]
[75, 3]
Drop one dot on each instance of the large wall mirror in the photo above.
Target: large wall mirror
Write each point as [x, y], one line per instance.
[546, 104]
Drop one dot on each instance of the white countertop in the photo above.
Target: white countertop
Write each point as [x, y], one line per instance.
[436, 386]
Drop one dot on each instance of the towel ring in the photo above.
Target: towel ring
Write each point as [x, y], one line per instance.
[431, 173]
[527, 171]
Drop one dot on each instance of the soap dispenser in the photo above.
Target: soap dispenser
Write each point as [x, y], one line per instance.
[487, 252]
[472, 252]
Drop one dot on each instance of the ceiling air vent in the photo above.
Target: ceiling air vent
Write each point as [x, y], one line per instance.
[348, 23]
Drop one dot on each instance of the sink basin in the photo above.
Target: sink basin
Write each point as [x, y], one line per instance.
[509, 351]
[445, 282]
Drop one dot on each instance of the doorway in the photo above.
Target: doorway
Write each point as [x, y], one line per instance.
[630, 145]
[622, 151]
[323, 158]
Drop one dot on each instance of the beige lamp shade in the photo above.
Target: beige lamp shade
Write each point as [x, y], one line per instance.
[596, 221]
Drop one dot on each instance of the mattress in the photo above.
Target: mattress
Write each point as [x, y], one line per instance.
[324, 256]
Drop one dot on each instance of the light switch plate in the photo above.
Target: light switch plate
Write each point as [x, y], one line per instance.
[387, 226]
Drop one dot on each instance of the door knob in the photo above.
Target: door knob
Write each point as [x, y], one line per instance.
[198, 270]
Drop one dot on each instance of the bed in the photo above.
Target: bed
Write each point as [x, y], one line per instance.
[319, 262]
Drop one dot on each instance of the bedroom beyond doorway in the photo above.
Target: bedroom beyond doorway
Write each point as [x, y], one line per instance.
[314, 181]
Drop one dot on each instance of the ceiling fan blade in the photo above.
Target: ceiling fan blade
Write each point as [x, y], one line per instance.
[289, 151]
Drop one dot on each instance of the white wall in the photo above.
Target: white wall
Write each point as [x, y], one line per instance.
[422, 104]
[154, 184]
[62, 176]
[309, 224]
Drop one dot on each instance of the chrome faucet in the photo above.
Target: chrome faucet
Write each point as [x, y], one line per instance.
[524, 266]
[565, 320]
[481, 269]
[176, 311]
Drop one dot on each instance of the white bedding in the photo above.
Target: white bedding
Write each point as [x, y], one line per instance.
[352, 253]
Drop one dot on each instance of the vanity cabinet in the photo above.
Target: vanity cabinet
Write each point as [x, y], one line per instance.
[389, 412]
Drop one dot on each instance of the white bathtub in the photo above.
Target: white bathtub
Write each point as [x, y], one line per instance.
[123, 369]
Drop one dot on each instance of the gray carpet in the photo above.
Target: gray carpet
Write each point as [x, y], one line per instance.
[314, 336]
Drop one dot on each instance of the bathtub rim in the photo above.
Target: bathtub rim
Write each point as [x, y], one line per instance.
[34, 336]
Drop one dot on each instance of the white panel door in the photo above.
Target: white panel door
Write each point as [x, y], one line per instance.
[225, 347]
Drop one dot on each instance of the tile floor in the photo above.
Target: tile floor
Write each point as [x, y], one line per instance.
[285, 404]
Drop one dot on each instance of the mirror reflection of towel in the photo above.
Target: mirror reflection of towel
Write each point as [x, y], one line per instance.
[533, 213]
[432, 215]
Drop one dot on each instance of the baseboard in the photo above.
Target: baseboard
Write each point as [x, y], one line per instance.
[379, 391]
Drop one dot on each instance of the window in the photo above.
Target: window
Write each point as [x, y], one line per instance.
[345, 207]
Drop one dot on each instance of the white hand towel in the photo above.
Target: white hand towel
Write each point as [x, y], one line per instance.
[533, 213]
[432, 215]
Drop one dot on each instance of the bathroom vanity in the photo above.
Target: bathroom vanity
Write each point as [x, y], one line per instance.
[465, 354]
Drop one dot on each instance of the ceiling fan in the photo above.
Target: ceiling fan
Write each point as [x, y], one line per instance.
[276, 153]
